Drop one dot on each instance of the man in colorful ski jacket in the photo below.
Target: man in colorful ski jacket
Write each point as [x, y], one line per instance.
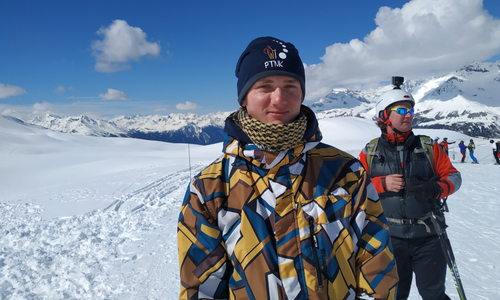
[281, 215]
[411, 174]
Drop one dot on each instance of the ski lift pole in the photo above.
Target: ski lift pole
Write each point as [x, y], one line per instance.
[449, 256]
[189, 156]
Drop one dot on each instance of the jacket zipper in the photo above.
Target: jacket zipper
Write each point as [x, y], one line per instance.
[400, 158]
[315, 249]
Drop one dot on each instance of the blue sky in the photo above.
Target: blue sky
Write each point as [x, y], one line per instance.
[111, 58]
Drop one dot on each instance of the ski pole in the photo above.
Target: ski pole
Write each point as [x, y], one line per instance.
[484, 157]
[449, 256]
[445, 242]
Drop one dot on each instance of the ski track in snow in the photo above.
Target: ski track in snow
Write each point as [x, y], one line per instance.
[122, 251]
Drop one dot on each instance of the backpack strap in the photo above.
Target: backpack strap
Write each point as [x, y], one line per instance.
[426, 143]
[371, 148]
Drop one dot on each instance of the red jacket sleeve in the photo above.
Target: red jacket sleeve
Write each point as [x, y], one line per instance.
[449, 178]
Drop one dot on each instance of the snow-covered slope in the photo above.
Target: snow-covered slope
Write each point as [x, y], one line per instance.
[459, 114]
[95, 218]
[479, 82]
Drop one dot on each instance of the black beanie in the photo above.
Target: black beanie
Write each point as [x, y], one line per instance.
[268, 56]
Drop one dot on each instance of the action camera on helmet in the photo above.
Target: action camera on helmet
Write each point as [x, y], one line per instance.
[397, 81]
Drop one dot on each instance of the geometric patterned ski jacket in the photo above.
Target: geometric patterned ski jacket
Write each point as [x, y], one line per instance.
[300, 224]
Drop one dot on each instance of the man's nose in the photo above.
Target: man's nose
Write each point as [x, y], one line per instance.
[277, 95]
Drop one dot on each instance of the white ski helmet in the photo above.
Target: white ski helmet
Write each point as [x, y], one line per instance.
[393, 96]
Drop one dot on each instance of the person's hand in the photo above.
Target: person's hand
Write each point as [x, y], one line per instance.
[428, 190]
[394, 182]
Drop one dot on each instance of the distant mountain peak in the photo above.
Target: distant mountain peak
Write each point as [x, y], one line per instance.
[475, 67]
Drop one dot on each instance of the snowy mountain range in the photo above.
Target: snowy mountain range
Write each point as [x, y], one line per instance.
[465, 101]
[178, 128]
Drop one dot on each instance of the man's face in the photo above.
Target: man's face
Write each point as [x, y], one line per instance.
[401, 122]
[274, 100]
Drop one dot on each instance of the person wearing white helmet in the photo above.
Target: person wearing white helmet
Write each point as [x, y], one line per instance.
[411, 174]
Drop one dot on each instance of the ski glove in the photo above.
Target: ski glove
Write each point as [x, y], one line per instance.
[428, 190]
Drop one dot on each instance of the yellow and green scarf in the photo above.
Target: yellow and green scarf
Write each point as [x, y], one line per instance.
[271, 137]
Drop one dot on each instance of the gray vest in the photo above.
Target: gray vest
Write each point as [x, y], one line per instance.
[408, 216]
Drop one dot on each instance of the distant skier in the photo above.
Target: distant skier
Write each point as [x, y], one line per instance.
[472, 148]
[463, 149]
[496, 147]
[444, 145]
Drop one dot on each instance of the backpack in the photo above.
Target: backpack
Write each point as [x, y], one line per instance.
[425, 141]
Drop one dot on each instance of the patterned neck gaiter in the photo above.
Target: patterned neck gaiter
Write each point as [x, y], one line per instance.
[271, 137]
[397, 139]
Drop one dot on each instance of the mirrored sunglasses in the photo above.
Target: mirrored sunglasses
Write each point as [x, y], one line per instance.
[403, 110]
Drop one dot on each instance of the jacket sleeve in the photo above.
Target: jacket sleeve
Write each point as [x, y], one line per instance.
[377, 273]
[379, 181]
[450, 179]
[203, 261]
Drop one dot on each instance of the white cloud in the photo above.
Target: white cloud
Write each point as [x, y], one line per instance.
[73, 97]
[42, 108]
[423, 38]
[60, 89]
[187, 105]
[113, 94]
[7, 90]
[26, 112]
[121, 44]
